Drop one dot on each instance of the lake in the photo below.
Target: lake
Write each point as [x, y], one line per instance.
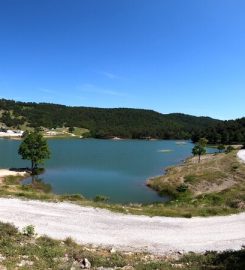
[117, 169]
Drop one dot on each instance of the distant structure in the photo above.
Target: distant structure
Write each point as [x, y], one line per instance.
[10, 133]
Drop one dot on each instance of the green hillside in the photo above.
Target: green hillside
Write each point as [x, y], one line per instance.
[121, 122]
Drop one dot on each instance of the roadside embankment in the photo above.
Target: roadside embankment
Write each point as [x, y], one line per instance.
[88, 225]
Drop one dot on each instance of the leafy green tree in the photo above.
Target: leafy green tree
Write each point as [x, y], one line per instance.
[86, 135]
[221, 147]
[34, 147]
[25, 133]
[71, 129]
[203, 142]
[200, 148]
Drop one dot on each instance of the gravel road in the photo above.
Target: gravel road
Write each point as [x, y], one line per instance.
[241, 155]
[156, 235]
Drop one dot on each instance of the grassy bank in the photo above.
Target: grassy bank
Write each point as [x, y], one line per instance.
[213, 187]
[25, 250]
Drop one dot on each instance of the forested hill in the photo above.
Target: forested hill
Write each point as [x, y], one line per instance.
[122, 122]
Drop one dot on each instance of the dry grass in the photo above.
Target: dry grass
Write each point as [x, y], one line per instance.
[215, 173]
[213, 187]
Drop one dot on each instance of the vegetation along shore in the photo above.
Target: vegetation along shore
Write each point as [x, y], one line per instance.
[42, 252]
[213, 187]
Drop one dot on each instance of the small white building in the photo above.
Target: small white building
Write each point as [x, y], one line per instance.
[11, 133]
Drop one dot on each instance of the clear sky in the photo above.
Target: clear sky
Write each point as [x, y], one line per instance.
[168, 55]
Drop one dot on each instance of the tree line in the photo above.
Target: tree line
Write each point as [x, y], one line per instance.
[224, 132]
[122, 122]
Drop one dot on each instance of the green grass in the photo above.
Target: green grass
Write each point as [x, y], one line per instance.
[205, 176]
[12, 180]
[80, 131]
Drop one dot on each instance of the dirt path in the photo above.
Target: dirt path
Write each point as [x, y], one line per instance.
[125, 232]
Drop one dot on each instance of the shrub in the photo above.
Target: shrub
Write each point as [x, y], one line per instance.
[29, 230]
[73, 197]
[187, 215]
[221, 147]
[69, 242]
[234, 167]
[101, 198]
[182, 188]
[229, 148]
[71, 129]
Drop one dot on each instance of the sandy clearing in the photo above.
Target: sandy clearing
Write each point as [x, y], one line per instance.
[157, 235]
[241, 155]
[7, 172]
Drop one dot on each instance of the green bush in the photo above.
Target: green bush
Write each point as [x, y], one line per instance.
[182, 188]
[101, 198]
[29, 230]
[187, 215]
[229, 149]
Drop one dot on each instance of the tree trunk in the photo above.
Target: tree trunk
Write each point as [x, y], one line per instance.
[199, 159]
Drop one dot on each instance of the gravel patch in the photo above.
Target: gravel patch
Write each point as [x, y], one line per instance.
[241, 155]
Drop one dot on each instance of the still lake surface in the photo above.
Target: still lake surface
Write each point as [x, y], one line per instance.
[117, 169]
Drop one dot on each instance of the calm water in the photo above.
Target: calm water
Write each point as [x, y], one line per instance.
[118, 169]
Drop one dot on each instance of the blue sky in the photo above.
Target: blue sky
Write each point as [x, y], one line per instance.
[166, 55]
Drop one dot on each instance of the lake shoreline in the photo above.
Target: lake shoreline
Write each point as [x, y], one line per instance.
[179, 206]
[94, 167]
[217, 182]
[143, 222]
[185, 195]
